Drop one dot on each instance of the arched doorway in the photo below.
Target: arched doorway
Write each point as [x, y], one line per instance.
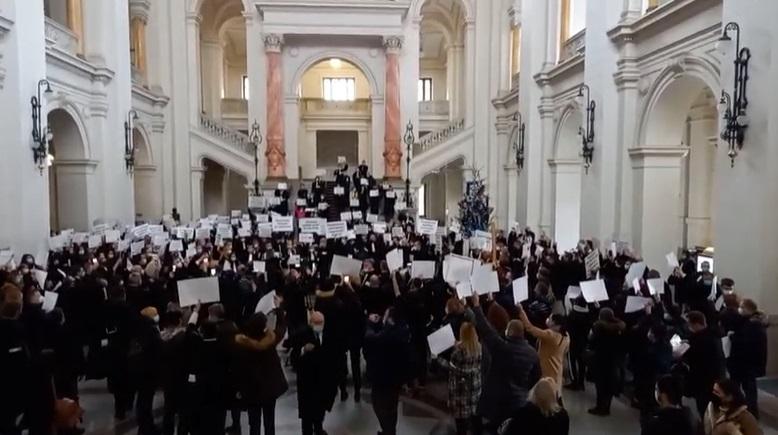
[69, 174]
[566, 179]
[442, 190]
[441, 63]
[148, 203]
[223, 189]
[335, 110]
[674, 167]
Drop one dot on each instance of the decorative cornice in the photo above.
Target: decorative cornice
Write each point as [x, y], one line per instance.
[5, 25]
[657, 156]
[80, 67]
[630, 30]
[273, 42]
[507, 99]
[149, 97]
[627, 74]
[570, 66]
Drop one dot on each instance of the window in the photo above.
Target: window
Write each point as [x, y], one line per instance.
[421, 199]
[425, 89]
[339, 88]
[572, 19]
[515, 50]
[244, 90]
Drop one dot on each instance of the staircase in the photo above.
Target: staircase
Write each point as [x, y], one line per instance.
[438, 148]
[224, 145]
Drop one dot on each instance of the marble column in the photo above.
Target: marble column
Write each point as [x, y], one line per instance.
[213, 77]
[193, 21]
[392, 149]
[198, 177]
[276, 156]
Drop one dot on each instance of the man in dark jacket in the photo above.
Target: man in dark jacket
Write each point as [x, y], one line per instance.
[387, 346]
[514, 370]
[605, 343]
[144, 358]
[748, 356]
[705, 359]
[672, 418]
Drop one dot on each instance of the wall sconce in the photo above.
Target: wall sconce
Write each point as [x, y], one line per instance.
[734, 105]
[256, 138]
[587, 134]
[129, 140]
[40, 136]
[518, 145]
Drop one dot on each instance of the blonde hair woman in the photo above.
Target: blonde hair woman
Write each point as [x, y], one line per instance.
[541, 414]
[464, 379]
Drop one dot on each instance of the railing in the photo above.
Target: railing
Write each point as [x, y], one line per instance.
[574, 46]
[234, 106]
[319, 106]
[435, 138]
[226, 134]
[435, 107]
[61, 37]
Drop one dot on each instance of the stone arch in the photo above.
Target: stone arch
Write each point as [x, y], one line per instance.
[60, 106]
[467, 6]
[355, 60]
[70, 172]
[144, 155]
[566, 136]
[678, 83]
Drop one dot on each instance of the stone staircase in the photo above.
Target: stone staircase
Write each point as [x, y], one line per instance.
[227, 146]
[439, 148]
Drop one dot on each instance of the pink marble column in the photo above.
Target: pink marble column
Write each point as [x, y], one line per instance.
[276, 157]
[392, 149]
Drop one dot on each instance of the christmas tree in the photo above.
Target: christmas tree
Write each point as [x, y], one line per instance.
[474, 210]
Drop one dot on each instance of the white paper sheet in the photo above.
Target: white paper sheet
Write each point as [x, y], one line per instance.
[49, 301]
[283, 224]
[636, 303]
[594, 291]
[394, 260]
[441, 340]
[457, 268]
[636, 270]
[484, 280]
[380, 228]
[726, 345]
[426, 226]
[205, 290]
[464, 289]
[176, 246]
[306, 239]
[337, 230]
[40, 276]
[423, 269]
[343, 266]
[656, 286]
[310, 225]
[520, 289]
[672, 260]
[266, 304]
[702, 259]
[258, 266]
[592, 263]
[573, 292]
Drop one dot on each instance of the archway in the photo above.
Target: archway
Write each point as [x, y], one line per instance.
[566, 179]
[442, 63]
[335, 109]
[442, 190]
[148, 203]
[69, 173]
[673, 168]
[223, 189]
[223, 68]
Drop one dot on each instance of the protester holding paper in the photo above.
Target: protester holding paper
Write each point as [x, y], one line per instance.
[553, 343]
[605, 344]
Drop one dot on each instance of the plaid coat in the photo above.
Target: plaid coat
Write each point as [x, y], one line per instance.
[464, 383]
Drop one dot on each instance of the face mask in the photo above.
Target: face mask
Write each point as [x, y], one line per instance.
[12, 310]
[155, 318]
[742, 312]
[318, 329]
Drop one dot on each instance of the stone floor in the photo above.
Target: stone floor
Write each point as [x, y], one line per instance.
[349, 418]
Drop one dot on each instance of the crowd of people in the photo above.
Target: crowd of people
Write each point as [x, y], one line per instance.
[117, 316]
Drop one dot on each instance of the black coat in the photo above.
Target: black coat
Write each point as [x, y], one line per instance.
[748, 357]
[530, 421]
[705, 359]
[387, 352]
[514, 370]
[606, 345]
[669, 421]
[316, 385]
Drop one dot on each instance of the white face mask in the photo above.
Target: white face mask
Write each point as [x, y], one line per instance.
[155, 318]
[318, 329]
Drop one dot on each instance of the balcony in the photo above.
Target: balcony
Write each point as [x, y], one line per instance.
[436, 108]
[59, 36]
[320, 108]
[574, 46]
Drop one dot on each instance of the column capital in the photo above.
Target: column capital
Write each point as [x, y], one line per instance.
[140, 9]
[393, 44]
[194, 18]
[649, 156]
[273, 42]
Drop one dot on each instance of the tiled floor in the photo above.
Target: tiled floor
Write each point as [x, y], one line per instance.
[357, 419]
